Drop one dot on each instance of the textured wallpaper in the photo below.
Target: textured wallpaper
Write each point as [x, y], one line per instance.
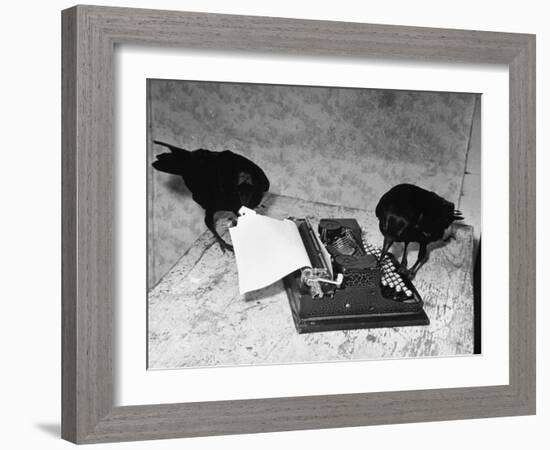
[333, 145]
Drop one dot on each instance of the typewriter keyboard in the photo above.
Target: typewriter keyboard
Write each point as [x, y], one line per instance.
[393, 284]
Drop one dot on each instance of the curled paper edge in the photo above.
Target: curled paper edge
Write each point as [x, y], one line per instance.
[266, 249]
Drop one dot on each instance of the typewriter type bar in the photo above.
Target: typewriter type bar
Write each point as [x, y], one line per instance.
[319, 278]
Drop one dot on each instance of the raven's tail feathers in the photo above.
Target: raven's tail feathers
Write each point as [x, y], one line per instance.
[173, 162]
[170, 163]
[172, 148]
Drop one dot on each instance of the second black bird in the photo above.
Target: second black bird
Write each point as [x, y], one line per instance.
[218, 181]
[408, 213]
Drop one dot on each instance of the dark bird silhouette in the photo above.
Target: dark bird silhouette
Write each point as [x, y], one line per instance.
[408, 213]
[218, 181]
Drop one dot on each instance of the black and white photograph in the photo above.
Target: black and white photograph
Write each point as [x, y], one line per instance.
[275, 225]
[294, 224]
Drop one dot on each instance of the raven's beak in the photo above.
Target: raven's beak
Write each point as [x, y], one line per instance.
[385, 247]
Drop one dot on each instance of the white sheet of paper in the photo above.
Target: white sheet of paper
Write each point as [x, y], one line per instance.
[266, 249]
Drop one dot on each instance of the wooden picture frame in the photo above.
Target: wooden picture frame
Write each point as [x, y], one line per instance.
[89, 37]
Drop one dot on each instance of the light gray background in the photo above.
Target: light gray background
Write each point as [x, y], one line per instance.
[334, 145]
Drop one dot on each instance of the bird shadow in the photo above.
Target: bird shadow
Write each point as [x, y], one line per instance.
[414, 247]
[176, 184]
[53, 429]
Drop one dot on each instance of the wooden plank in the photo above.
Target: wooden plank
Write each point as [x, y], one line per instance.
[196, 316]
[522, 282]
[340, 39]
[88, 259]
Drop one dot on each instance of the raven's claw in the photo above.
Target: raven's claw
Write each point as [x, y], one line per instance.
[225, 246]
[401, 270]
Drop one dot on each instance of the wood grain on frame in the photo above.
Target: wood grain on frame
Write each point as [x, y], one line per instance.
[89, 36]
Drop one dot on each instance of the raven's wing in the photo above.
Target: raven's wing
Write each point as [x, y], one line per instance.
[393, 198]
[236, 164]
[399, 213]
[437, 215]
[212, 177]
[203, 179]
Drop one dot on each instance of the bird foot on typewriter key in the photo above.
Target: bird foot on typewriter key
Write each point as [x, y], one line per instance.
[402, 270]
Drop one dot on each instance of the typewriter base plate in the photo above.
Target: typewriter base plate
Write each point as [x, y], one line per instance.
[354, 323]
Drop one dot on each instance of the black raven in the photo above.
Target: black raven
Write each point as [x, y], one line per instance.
[408, 213]
[219, 181]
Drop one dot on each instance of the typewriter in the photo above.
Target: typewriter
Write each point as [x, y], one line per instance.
[347, 287]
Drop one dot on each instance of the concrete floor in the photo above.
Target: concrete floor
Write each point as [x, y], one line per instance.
[197, 317]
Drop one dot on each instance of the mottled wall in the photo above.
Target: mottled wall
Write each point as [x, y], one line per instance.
[333, 145]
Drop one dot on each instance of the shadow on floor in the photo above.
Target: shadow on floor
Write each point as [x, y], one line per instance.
[53, 429]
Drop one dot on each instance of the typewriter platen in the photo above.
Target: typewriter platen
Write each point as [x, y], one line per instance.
[346, 287]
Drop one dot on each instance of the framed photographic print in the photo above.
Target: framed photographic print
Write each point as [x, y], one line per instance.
[277, 224]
